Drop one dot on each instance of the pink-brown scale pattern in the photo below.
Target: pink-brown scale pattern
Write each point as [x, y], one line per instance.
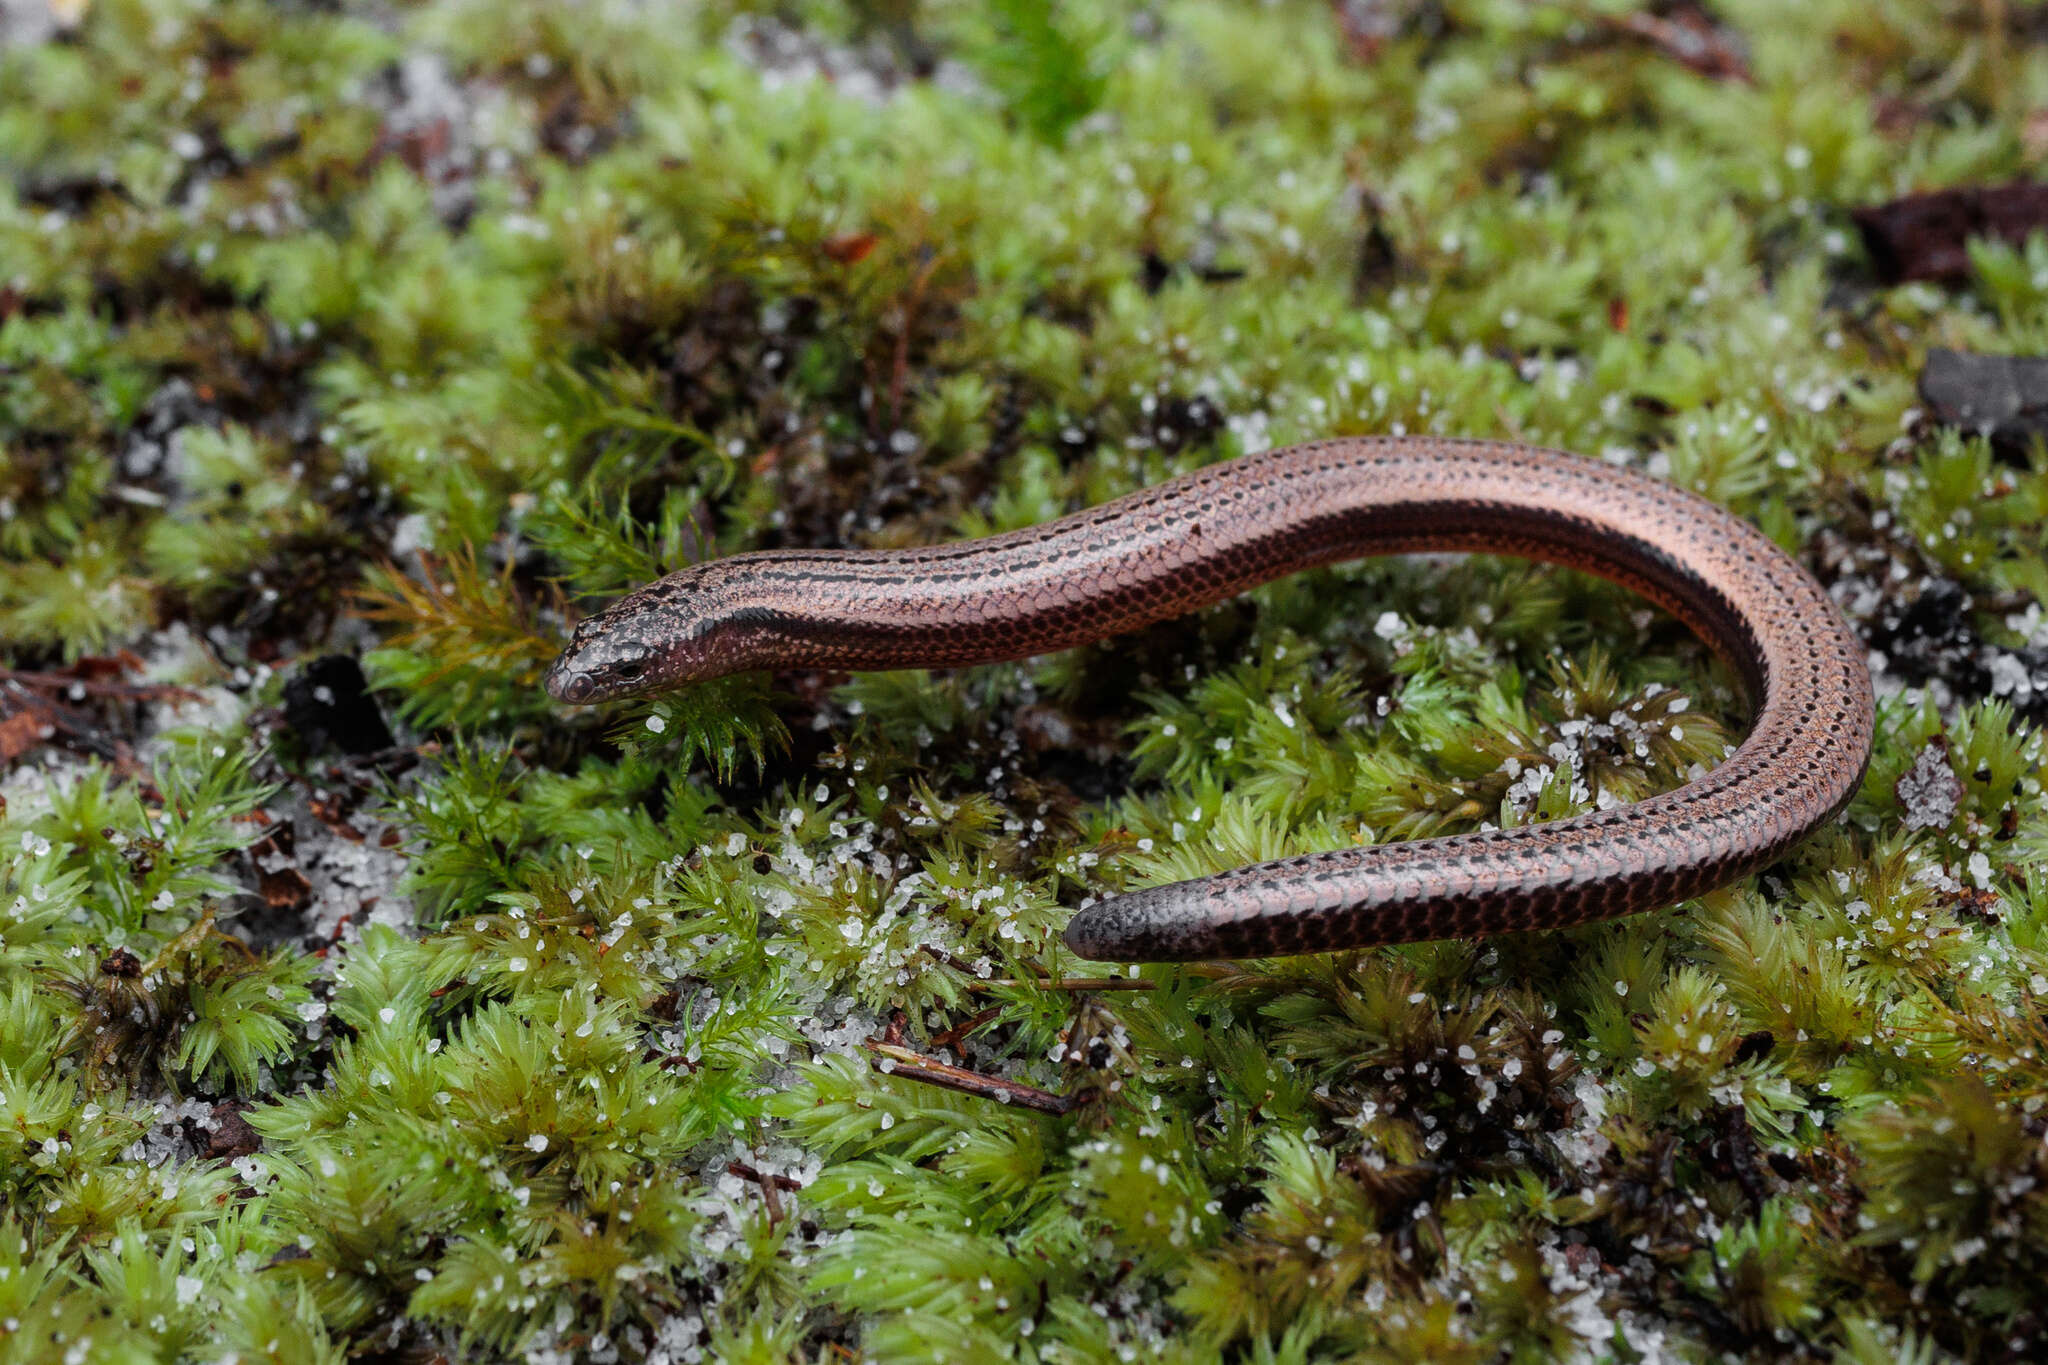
[1213, 533]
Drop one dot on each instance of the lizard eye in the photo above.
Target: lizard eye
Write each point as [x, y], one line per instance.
[632, 669]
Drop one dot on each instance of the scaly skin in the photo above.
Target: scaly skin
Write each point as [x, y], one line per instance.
[1218, 531]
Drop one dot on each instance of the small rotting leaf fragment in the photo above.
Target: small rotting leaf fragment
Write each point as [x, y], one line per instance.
[287, 888]
[231, 1135]
[1925, 236]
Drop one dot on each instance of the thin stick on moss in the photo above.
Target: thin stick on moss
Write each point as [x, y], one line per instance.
[918, 1067]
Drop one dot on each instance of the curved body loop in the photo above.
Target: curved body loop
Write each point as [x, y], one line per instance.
[1215, 532]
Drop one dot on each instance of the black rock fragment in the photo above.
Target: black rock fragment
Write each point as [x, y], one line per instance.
[328, 705]
[2004, 397]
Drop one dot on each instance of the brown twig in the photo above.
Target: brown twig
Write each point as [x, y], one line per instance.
[31, 719]
[952, 1036]
[953, 960]
[1366, 29]
[69, 684]
[764, 1178]
[769, 1185]
[1693, 40]
[918, 1067]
